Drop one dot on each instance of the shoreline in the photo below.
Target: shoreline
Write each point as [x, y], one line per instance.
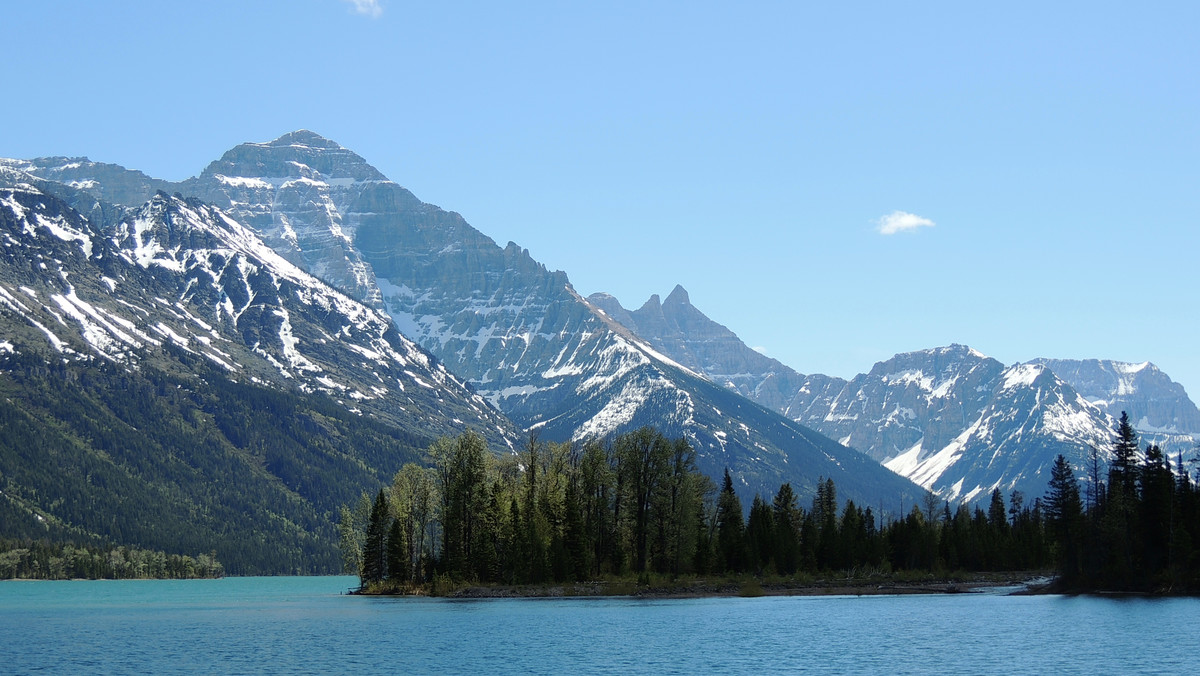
[1017, 583]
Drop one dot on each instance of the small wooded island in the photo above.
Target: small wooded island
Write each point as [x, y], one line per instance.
[635, 515]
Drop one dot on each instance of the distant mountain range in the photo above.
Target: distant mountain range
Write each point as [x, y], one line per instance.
[951, 419]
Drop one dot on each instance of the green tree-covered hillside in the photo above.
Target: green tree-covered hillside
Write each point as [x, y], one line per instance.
[96, 453]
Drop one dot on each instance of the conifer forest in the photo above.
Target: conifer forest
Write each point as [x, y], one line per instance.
[635, 505]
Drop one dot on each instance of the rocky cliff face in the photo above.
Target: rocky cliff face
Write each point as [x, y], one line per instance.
[931, 395]
[107, 183]
[1159, 407]
[305, 196]
[169, 381]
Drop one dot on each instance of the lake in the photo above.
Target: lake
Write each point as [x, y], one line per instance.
[308, 625]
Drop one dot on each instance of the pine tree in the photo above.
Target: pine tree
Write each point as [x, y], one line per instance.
[730, 528]
[787, 530]
[1156, 488]
[1122, 473]
[1119, 544]
[374, 559]
[398, 561]
[1064, 518]
[760, 531]
[824, 510]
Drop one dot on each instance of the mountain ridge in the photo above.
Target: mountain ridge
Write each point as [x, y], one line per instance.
[517, 332]
[170, 382]
[923, 412]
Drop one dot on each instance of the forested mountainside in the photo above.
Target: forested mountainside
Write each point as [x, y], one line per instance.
[171, 383]
[93, 453]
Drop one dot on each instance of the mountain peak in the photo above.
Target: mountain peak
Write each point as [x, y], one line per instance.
[679, 296]
[956, 349]
[653, 304]
[297, 154]
[304, 138]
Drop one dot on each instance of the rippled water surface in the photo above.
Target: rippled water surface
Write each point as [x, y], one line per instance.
[308, 625]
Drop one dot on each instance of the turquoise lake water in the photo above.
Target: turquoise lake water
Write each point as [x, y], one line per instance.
[308, 625]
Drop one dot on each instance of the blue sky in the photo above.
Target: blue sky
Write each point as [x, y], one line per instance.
[752, 152]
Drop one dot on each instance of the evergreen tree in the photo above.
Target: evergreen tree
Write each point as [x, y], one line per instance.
[1122, 474]
[1064, 519]
[374, 566]
[398, 553]
[1156, 491]
[730, 527]
[760, 537]
[825, 517]
[1119, 546]
[788, 520]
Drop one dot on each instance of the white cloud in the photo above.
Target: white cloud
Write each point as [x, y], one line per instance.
[369, 8]
[902, 221]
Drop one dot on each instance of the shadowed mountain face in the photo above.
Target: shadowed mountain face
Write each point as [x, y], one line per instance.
[519, 333]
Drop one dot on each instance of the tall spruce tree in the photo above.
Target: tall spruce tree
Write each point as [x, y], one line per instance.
[1157, 492]
[1064, 519]
[1119, 533]
[374, 559]
[760, 537]
[398, 561]
[730, 527]
[788, 520]
[1123, 471]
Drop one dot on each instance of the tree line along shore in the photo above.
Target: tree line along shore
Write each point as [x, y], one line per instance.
[44, 560]
[634, 513]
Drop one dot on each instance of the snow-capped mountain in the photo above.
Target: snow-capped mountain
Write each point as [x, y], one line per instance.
[1017, 422]
[1158, 407]
[305, 196]
[176, 275]
[517, 332]
[951, 419]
